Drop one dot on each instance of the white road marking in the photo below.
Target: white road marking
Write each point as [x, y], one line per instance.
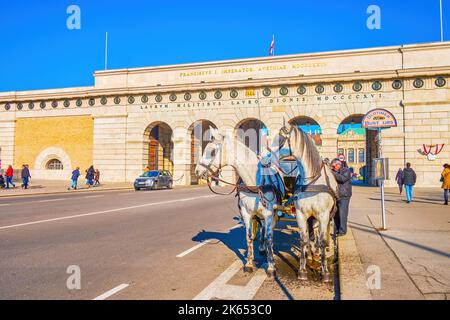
[5, 204]
[111, 292]
[202, 244]
[193, 248]
[89, 197]
[52, 200]
[219, 289]
[104, 212]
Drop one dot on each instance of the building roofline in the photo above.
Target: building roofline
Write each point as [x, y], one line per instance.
[272, 59]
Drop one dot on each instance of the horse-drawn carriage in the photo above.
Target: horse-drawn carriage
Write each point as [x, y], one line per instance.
[304, 181]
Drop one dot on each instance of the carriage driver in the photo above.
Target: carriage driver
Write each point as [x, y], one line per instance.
[343, 177]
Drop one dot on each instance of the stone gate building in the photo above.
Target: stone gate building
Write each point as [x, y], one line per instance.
[132, 118]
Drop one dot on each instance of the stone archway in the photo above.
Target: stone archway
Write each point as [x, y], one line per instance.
[358, 145]
[311, 127]
[253, 133]
[40, 170]
[200, 137]
[158, 147]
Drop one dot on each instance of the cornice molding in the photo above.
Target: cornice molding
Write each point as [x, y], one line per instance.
[235, 84]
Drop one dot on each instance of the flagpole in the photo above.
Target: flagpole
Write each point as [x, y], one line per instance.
[442, 22]
[273, 52]
[106, 51]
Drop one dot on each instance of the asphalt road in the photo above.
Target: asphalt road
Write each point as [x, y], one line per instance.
[166, 244]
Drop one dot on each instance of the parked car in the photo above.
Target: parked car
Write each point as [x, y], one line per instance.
[153, 180]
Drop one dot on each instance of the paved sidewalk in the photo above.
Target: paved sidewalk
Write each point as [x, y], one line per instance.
[53, 187]
[414, 253]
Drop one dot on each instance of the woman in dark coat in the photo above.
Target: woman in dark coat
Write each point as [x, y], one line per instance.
[399, 179]
[90, 173]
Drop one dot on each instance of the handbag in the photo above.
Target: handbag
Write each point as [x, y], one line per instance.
[442, 179]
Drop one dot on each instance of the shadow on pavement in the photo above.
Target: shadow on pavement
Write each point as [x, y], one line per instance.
[417, 245]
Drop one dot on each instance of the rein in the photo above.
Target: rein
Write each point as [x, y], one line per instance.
[215, 176]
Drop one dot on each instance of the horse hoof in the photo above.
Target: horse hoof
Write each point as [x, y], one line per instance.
[271, 273]
[303, 276]
[326, 278]
[248, 269]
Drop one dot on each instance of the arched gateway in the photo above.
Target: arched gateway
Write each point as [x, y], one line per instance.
[158, 147]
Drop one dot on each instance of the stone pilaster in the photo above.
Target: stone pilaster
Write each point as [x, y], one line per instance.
[7, 128]
[181, 156]
[110, 147]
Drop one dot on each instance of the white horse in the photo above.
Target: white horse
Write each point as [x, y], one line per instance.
[316, 196]
[216, 156]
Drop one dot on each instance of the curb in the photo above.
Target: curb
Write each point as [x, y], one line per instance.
[352, 277]
[81, 190]
[62, 192]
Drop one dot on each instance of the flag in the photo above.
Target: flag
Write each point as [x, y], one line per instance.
[272, 44]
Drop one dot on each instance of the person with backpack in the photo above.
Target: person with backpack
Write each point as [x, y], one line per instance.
[409, 180]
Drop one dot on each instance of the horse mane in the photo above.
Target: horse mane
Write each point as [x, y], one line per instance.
[303, 144]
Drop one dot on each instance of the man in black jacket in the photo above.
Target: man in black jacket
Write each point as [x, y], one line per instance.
[26, 176]
[344, 179]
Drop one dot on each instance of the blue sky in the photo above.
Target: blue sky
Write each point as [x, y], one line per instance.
[38, 51]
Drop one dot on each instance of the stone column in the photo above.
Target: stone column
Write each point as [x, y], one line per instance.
[329, 145]
[7, 129]
[181, 156]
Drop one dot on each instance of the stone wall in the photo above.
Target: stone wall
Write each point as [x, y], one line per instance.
[39, 140]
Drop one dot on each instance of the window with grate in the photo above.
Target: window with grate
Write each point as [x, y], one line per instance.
[54, 164]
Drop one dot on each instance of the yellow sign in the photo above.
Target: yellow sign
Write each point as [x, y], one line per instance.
[250, 93]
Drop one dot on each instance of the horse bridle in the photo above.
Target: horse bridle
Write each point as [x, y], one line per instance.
[208, 166]
[215, 175]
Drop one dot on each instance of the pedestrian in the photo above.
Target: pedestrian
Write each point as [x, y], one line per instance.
[399, 179]
[26, 176]
[75, 174]
[90, 176]
[2, 181]
[9, 177]
[409, 180]
[446, 182]
[97, 177]
[344, 179]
